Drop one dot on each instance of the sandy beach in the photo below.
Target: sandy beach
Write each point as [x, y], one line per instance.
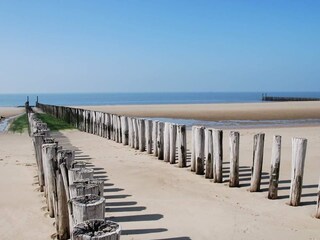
[215, 112]
[11, 111]
[155, 200]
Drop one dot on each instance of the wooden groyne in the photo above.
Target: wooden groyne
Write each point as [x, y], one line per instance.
[167, 142]
[266, 98]
[73, 197]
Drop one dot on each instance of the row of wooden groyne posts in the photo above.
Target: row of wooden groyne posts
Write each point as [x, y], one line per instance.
[73, 196]
[168, 142]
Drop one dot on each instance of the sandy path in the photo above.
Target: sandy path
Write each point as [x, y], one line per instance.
[21, 216]
[154, 200]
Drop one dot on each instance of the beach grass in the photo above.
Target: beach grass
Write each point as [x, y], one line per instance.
[54, 124]
[20, 124]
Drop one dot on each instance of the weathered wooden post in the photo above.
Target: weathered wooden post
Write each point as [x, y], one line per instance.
[49, 157]
[38, 141]
[87, 207]
[154, 138]
[193, 149]
[66, 156]
[218, 155]
[96, 230]
[166, 142]
[148, 124]
[97, 182]
[318, 202]
[125, 130]
[136, 133]
[182, 146]
[173, 142]
[130, 129]
[119, 129]
[275, 168]
[142, 135]
[209, 153]
[81, 188]
[76, 174]
[299, 149]
[199, 150]
[258, 147]
[160, 140]
[234, 142]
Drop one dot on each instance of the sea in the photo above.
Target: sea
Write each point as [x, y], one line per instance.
[93, 99]
[76, 99]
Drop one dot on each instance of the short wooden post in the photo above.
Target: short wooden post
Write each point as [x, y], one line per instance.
[98, 182]
[76, 174]
[275, 168]
[83, 188]
[97, 230]
[119, 129]
[142, 135]
[154, 138]
[173, 142]
[130, 134]
[166, 142]
[160, 140]
[234, 142]
[218, 155]
[318, 202]
[148, 124]
[87, 207]
[199, 150]
[299, 149]
[193, 149]
[49, 157]
[209, 153]
[182, 146]
[258, 146]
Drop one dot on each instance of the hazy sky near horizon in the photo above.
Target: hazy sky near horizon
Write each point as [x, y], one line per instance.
[151, 46]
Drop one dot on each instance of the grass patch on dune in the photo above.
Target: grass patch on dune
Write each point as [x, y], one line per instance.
[19, 124]
[54, 124]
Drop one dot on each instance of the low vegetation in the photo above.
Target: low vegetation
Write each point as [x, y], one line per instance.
[54, 124]
[19, 124]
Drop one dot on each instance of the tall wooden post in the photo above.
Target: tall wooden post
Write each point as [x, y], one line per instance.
[148, 124]
[49, 157]
[173, 142]
[275, 168]
[218, 155]
[154, 138]
[258, 147]
[193, 149]
[182, 146]
[234, 141]
[125, 130]
[199, 150]
[299, 149]
[160, 140]
[142, 135]
[209, 153]
[166, 142]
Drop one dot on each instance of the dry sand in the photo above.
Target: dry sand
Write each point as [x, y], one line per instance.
[11, 111]
[21, 204]
[155, 200]
[214, 112]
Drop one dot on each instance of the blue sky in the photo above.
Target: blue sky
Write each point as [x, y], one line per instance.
[163, 45]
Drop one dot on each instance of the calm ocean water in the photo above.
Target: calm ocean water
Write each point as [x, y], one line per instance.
[73, 99]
